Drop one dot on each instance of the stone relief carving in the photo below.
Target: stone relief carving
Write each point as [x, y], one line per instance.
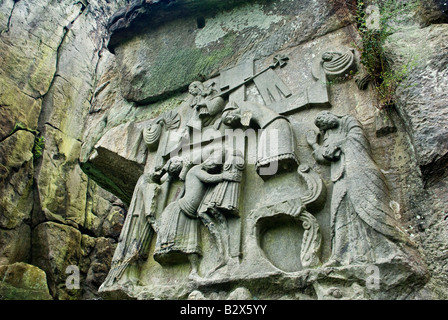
[140, 222]
[205, 105]
[363, 227]
[222, 201]
[157, 137]
[276, 144]
[334, 64]
[213, 196]
[178, 234]
[296, 210]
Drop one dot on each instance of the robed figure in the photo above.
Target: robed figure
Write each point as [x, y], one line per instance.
[363, 226]
[178, 237]
[140, 222]
[276, 147]
[221, 202]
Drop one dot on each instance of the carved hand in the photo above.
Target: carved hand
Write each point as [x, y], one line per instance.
[295, 207]
[231, 176]
[332, 152]
[156, 175]
[312, 137]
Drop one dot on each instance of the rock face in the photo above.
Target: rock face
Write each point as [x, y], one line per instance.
[21, 281]
[109, 111]
[50, 53]
[222, 40]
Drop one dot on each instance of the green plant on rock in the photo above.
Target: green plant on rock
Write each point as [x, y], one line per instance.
[20, 126]
[39, 141]
[374, 34]
[39, 144]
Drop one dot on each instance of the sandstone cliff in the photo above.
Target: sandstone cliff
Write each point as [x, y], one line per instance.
[80, 78]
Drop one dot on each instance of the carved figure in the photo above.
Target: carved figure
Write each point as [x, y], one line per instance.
[226, 194]
[362, 220]
[221, 201]
[204, 105]
[140, 222]
[276, 143]
[178, 235]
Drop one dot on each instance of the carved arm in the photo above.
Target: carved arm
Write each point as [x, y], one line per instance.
[318, 150]
[216, 178]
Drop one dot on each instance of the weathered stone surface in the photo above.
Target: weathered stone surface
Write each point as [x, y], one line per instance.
[68, 100]
[433, 11]
[64, 106]
[30, 43]
[17, 149]
[120, 147]
[91, 106]
[240, 294]
[21, 281]
[104, 213]
[249, 30]
[16, 161]
[50, 53]
[422, 97]
[108, 108]
[55, 247]
[16, 202]
[5, 13]
[110, 140]
[62, 186]
[15, 244]
[94, 263]
[16, 107]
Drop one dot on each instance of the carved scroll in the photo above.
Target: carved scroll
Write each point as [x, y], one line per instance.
[311, 241]
[315, 188]
[157, 136]
[333, 65]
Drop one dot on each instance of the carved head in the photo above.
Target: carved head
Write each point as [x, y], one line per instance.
[175, 165]
[196, 88]
[214, 161]
[326, 120]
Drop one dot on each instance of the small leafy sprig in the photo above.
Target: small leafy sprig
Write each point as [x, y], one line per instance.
[385, 79]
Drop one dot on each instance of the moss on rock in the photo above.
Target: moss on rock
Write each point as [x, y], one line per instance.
[21, 281]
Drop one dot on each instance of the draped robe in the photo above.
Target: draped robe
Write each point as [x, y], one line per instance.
[362, 220]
